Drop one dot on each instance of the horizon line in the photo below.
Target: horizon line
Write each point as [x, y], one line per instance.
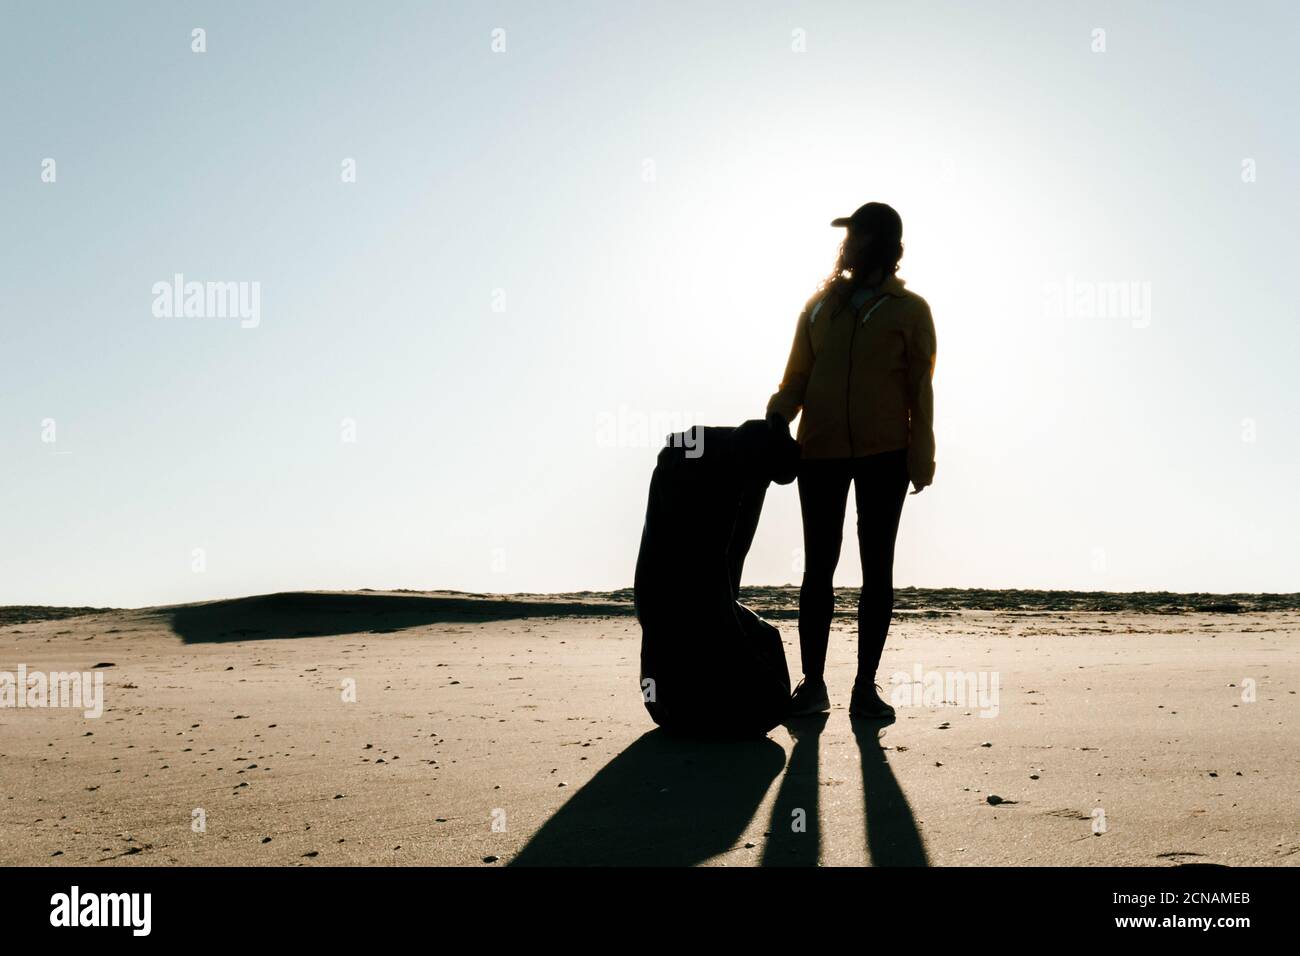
[1284, 597]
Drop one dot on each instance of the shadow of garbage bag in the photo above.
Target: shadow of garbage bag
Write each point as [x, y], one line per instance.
[664, 801]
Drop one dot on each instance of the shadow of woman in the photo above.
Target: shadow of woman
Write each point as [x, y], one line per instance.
[892, 836]
[664, 801]
[794, 829]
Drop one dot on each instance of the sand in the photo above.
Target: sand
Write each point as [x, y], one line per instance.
[507, 732]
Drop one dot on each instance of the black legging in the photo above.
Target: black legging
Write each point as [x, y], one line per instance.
[880, 486]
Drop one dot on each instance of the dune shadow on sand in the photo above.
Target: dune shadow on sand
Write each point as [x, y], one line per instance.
[664, 801]
[316, 614]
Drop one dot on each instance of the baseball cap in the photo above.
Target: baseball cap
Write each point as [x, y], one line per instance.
[874, 217]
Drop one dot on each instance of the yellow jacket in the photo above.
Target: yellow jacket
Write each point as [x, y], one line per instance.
[860, 369]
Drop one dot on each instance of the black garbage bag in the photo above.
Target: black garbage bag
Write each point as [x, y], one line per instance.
[709, 665]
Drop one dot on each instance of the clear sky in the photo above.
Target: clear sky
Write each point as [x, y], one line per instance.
[554, 252]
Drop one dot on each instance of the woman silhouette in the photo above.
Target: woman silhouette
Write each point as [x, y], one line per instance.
[860, 370]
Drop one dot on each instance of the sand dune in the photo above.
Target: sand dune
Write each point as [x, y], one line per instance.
[509, 729]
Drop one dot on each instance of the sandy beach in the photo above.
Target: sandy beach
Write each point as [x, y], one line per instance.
[441, 729]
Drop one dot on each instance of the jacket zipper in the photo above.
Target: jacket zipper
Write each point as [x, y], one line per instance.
[848, 386]
[848, 381]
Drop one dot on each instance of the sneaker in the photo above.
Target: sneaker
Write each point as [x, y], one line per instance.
[809, 698]
[867, 703]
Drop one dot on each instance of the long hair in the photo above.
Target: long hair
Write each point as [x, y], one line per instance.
[883, 253]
